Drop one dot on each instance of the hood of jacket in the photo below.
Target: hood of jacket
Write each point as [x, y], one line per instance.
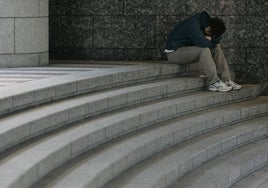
[190, 32]
[204, 18]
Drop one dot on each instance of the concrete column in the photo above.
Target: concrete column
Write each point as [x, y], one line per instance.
[24, 33]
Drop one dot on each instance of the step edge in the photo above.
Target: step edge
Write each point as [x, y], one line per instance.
[53, 167]
[77, 83]
[7, 141]
[123, 157]
[258, 164]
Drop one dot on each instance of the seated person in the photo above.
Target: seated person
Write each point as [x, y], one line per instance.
[196, 39]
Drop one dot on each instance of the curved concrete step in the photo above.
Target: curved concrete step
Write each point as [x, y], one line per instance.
[41, 91]
[163, 169]
[226, 170]
[87, 135]
[29, 123]
[258, 179]
[103, 164]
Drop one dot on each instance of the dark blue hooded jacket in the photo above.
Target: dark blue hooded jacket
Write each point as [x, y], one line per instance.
[190, 32]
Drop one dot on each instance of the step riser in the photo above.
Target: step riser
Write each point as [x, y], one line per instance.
[185, 157]
[257, 178]
[210, 153]
[40, 143]
[161, 143]
[12, 99]
[153, 146]
[259, 162]
[70, 149]
[229, 168]
[20, 133]
[90, 107]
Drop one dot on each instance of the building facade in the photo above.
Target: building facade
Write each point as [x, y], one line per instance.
[24, 33]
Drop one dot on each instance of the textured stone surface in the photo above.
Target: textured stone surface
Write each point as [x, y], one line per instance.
[31, 35]
[256, 67]
[237, 34]
[106, 53]
[124, 32]
[71, 32]
[43, 58]
[19, 60]
[197, 6]
[230, 7]
[157, 7]
[235, 56]
[6, 36]
[24, 33]
[257, 7]
[19, 8]
[256, 55]
[140, 7]
[44, 5]
[85, 7]
[257, 27]
[171, 7]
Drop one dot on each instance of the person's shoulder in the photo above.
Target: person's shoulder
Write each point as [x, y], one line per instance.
[191, 20]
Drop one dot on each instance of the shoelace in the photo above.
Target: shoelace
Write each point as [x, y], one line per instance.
[221, 83]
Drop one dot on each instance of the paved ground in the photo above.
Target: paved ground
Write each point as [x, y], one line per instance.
[9, 76]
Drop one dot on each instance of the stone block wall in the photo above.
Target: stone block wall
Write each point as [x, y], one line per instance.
[138, 29]
[24, 33]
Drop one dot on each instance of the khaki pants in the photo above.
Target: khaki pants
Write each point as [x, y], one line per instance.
[212, 61]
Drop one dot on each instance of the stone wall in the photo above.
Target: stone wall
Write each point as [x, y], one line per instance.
[137, 30]
[23, 33]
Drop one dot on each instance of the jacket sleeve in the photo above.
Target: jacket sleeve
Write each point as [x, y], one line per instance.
[192, 28]
[215, 40]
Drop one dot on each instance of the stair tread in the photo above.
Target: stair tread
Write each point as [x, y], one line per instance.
[69, 110]
[154, 171]
[78, 100]
[44, 90]
[234, 107]
[227, 169]
[37, 143]
[16, 130]
[114, 117]
[258, 179]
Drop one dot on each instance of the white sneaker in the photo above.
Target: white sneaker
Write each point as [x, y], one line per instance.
[219, 86]
[232, 84]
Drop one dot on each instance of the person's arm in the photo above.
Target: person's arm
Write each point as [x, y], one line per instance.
[215, 40]
[196, 35]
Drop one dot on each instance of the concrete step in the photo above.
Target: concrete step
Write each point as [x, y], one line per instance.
[258, 179]
[29, 123]
[54, 88]
[103, 164]
[226, 170]
[34, 141]
[164, 168]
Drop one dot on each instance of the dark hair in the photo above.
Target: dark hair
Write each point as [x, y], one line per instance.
[217, 26]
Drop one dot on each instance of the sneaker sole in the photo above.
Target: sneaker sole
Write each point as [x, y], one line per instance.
[214, 90]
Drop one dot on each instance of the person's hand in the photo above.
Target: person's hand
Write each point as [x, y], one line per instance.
[208, 38]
